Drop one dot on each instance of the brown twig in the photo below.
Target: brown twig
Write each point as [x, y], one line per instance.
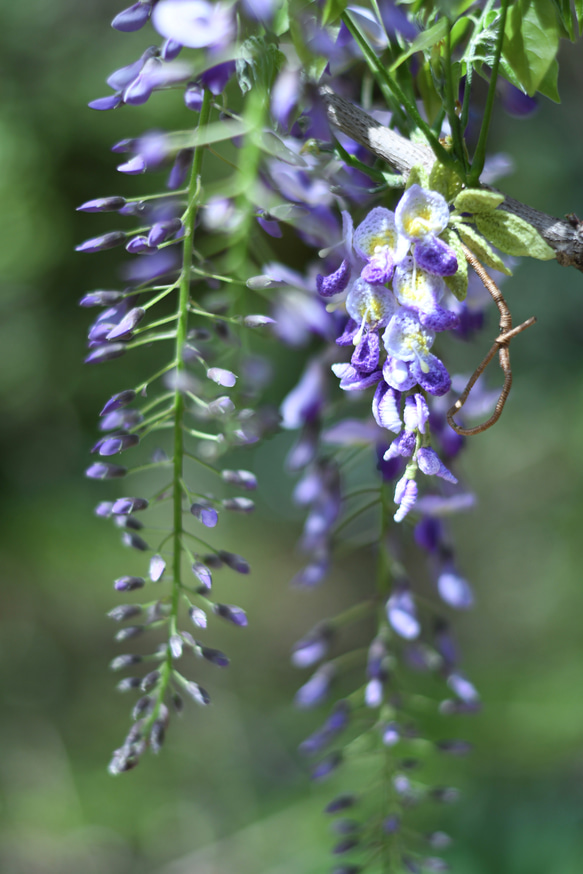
[501, 345]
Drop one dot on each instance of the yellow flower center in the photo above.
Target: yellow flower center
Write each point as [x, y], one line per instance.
[419, 224]
[381, 241]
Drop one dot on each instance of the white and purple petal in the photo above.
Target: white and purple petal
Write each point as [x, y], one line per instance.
[403, 445]
[402, 614]
[353, 380]
[416, 413]
[370, 306]
[415, 288]
[421, 213]
[385, 407]
[431, 464]
[405, 496]
[347, 336]
[366, 354]
[431, 374]
[397, 374]
[439, 320]
[406, 338]
[435, 256]
[334, 283]
[195, 23]
[454, 590]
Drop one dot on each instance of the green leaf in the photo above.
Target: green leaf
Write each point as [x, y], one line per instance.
[418, 176]
[273, 145]
[454, 8]
[481, 248]
[579, 13]
[459, 29]
[258, 63]
[216, 132]
[513, 235]
[393, 180]
[549, 85]
[458, 283]
[566, 18]
[281, 20]
[477, 200]
[445, 181]
[333, 9]
[432, 101]
[531, 41]
[426, 40]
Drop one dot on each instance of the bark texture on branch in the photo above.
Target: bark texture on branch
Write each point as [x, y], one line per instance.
[565, 237]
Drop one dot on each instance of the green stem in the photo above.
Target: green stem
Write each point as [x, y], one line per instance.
[178, 423]
[453, 118]
[469, 53]
[384, 79]
[480, 153]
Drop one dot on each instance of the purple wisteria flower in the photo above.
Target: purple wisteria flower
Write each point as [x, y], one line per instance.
[380, 244]
[407, 340]
[422, 292]
[421, 215]
[195, 23]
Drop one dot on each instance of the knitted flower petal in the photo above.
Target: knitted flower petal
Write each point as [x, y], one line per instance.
[352, 379]
[366, 355]
[431, 374]
[416, 289]
[406, 338]
[334, 283]
[346, 338]
[421, 213]
[416, 413]
[435, 256]
[370, 305]
[430, 464]
[439, 320]
[397, 374]
[405, 497]
[377, 241]
[385, 407]
[403, 445]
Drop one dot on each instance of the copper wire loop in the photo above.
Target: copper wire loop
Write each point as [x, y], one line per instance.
[501, 345]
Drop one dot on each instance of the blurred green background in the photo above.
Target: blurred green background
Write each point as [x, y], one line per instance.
[229, 793]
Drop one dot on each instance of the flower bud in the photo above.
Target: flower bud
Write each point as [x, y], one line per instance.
[128, 584]
[132, 18]
[119, 663]
[231, 613]
[99, 244]
[124, 611]
[107, 352]
[135, 541]
[102, 204]
[235, 562]
[100, 470]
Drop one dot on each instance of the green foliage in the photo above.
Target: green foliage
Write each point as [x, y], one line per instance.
[531, 41]
[444, 180]
[258, 63]
[427, 39]
[418, 176]
[513, 235]
[480, 247]
[458, 283]
[477, 200]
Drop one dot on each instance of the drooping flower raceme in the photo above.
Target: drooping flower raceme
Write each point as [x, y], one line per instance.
[395, 307]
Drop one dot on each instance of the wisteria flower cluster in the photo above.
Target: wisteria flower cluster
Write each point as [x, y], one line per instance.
[394, 308]
[256, 78]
